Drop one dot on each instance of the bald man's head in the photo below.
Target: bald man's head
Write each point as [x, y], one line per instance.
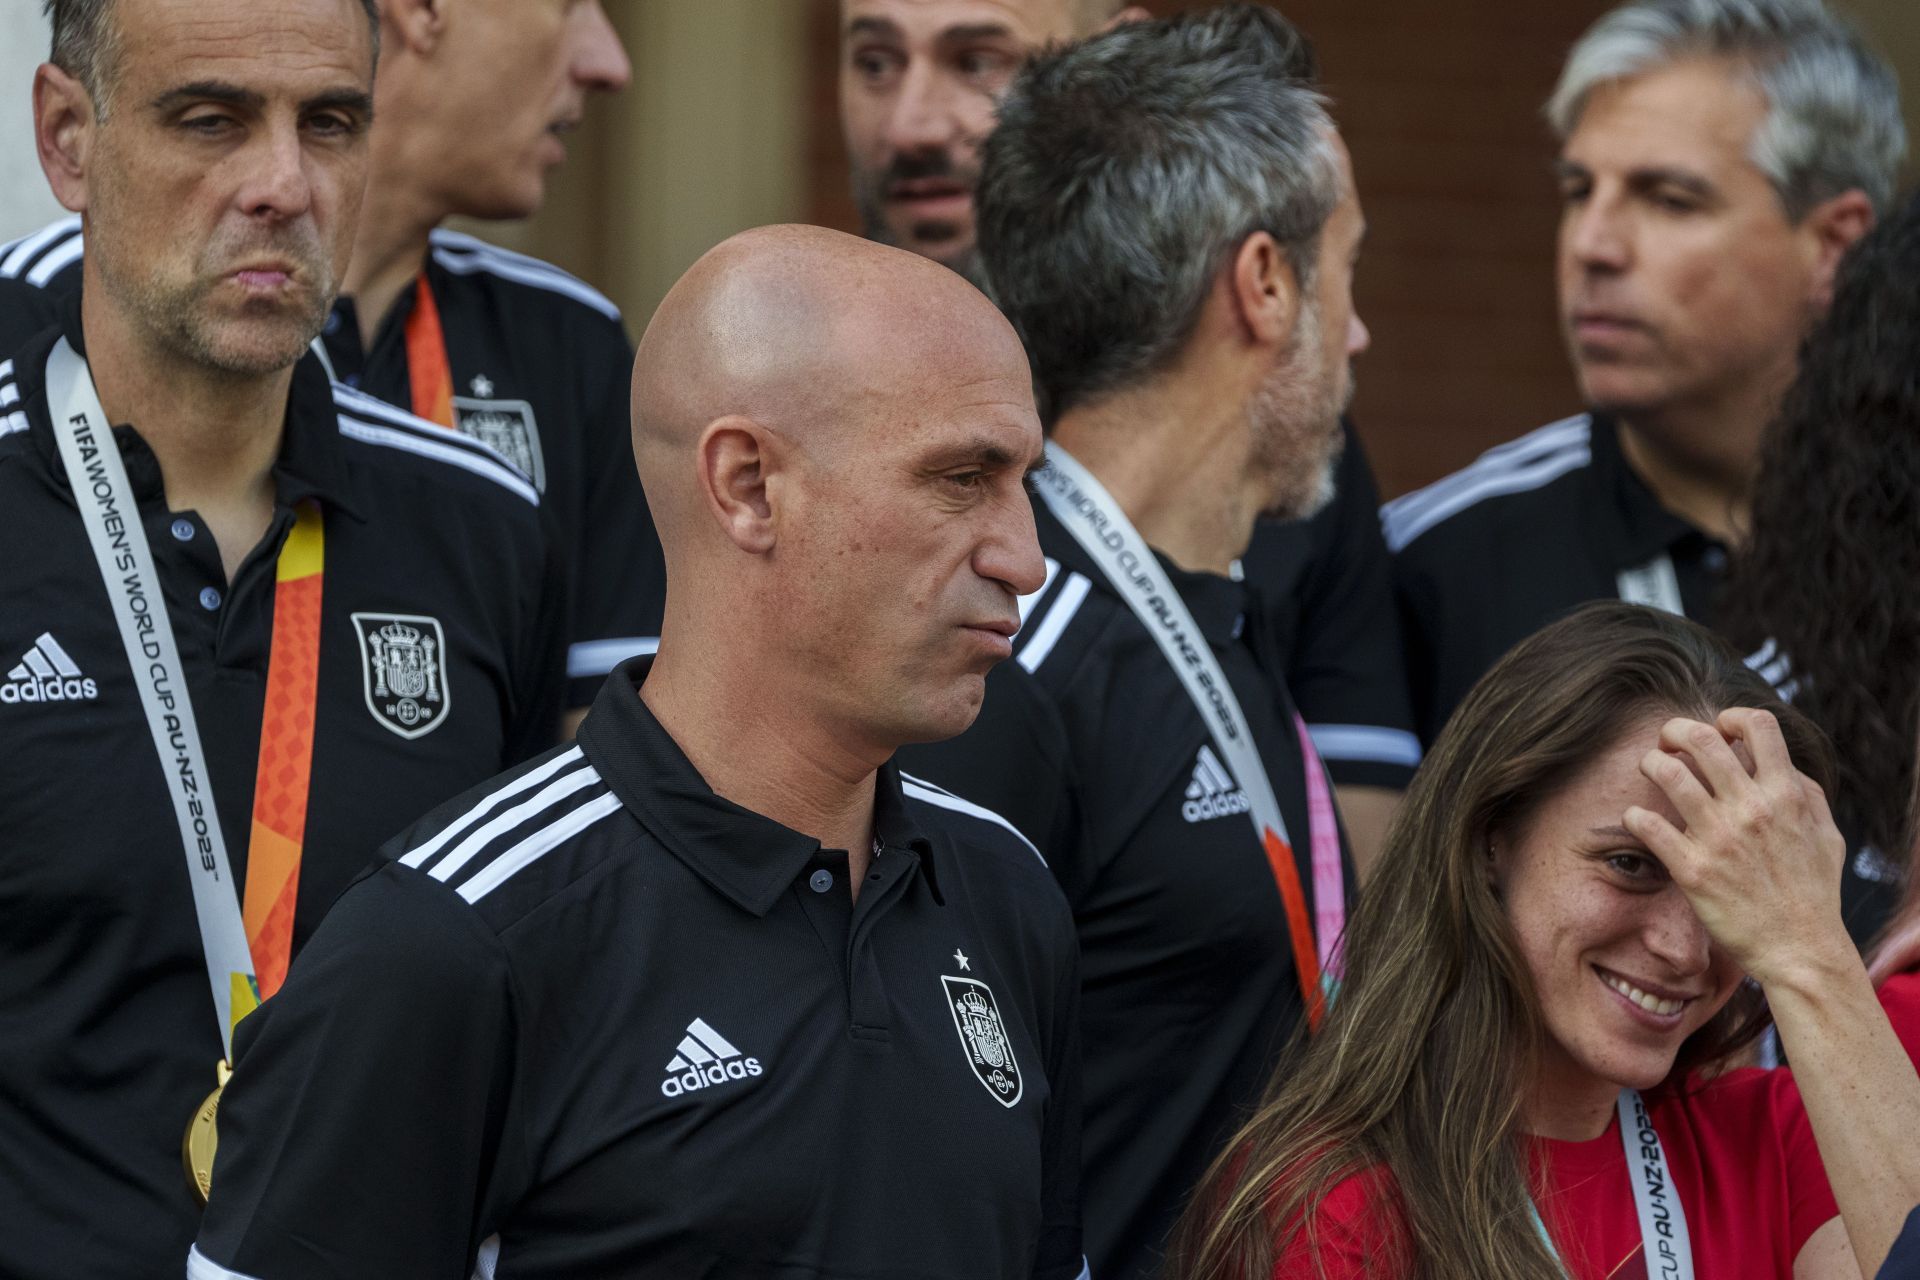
[832, 435]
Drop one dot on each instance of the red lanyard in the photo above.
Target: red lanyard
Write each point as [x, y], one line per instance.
[427, 368]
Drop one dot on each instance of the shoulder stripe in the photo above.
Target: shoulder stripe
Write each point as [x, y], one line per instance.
[201, 1267]
[1028, 601]
[536, 846]
[18, 253]
[501, 474]
[591, 658]
[942, 798]
[54, 261]
[464, 255]
[1536, 474]
[1365, 742]
[13, 424]
[506, 820]
[525, 782]
[1073, 594]
[1411, 509]
[378, 412]
[1776, 668]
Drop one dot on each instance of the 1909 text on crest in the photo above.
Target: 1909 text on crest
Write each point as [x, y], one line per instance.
[403, 665]
[976, 1016]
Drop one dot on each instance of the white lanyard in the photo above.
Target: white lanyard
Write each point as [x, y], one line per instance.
[1088, 512]
[112, 518]
[1663, 1223]
[1654, 584]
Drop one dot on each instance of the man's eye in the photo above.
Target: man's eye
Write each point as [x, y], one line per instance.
[206, 124]
[874, 64]
[333, 125]
[967, 479]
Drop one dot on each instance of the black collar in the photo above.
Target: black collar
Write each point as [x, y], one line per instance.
[748, 858]
[312, 462]
[1218, 604]
[1634, 526]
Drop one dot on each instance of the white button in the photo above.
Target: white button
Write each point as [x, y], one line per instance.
[183, 530]
[820, 881]
[209, 599]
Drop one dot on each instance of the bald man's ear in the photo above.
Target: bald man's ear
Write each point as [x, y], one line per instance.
[734, 457]
[418, 25]
[63, 125]
[1265, 291]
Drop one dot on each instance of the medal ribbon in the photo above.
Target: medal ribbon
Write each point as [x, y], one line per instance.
[127, 570]
[427, 368]
[281, 781]
[1082, 504]
[1664, 1241]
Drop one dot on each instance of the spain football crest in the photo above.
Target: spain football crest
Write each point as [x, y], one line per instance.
[507, 427]
[984, 1037]
[403, 660]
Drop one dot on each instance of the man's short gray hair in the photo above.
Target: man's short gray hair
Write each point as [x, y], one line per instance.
[86, 43]
[1127, 169]
[1833, 105]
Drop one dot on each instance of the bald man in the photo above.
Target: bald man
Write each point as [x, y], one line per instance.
[718, 991]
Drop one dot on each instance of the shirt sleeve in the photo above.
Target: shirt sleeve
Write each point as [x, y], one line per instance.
[620, 574]
[369, 1105]
[1061, 1255]
[1328, 581]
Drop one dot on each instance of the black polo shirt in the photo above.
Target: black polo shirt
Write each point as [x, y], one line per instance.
[595, 1020]
[1089, 740]
[541, 366]
[1532, 530]
[109, 1035]
[1328, 584]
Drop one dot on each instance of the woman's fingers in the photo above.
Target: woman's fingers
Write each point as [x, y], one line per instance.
[1710, 753]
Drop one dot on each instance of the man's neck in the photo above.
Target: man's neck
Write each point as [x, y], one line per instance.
[1174, 456]
[215, 434]
[786, 766]
[388, 250]
[1699, 460]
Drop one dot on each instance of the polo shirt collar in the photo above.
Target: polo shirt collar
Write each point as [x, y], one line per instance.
[312, 462]
[749, 859]
[1635, 527]
[1218, 604]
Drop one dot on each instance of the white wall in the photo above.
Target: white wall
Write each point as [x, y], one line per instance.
[25, 202]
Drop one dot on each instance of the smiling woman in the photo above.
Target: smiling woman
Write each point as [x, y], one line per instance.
[1527, 1066]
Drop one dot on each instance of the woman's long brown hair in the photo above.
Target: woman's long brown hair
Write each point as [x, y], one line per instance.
[1422, 1067]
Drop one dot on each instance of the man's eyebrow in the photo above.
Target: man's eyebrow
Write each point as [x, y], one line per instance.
[220, 91]
[1667, 176]
[873, 27]
[358, 101]
[980, 452]
[1564, 169]
[977, 31]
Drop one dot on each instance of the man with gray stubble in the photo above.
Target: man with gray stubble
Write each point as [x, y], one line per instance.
[1168, 217]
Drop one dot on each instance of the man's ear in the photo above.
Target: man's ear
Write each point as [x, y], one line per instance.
[1835, 226]
[418, 25]
[1264, 291]
[64, 120]
[736, 457]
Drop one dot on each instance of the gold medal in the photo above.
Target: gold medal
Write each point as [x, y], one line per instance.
[197, 1148]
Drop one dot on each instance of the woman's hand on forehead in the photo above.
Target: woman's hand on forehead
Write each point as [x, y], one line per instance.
[1757, 854]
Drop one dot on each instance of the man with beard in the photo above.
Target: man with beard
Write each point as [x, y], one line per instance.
[1168, 217]
[474, 103]
[253, 621]
[919, 80]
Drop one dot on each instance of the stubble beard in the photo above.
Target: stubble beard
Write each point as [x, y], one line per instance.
[1296, 428]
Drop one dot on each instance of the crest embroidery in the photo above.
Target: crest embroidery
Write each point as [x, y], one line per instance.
[403, 661]
[976, 1016]
[507, 427]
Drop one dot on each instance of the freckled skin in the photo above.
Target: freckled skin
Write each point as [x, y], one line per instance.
[1581, 902]
[180, 193]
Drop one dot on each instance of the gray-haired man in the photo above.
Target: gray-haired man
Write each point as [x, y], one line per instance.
[1168, 217]
[1717, 159]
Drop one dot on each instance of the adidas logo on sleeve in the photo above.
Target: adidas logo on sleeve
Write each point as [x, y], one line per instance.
[1212, 793]
[47, 674]
[705, 1058]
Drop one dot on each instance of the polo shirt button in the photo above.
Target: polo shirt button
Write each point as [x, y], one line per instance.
[209, 599]
[183, 530]
[820, 881]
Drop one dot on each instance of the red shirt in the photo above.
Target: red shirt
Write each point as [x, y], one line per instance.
[1739, 1150]
[1900, 997]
